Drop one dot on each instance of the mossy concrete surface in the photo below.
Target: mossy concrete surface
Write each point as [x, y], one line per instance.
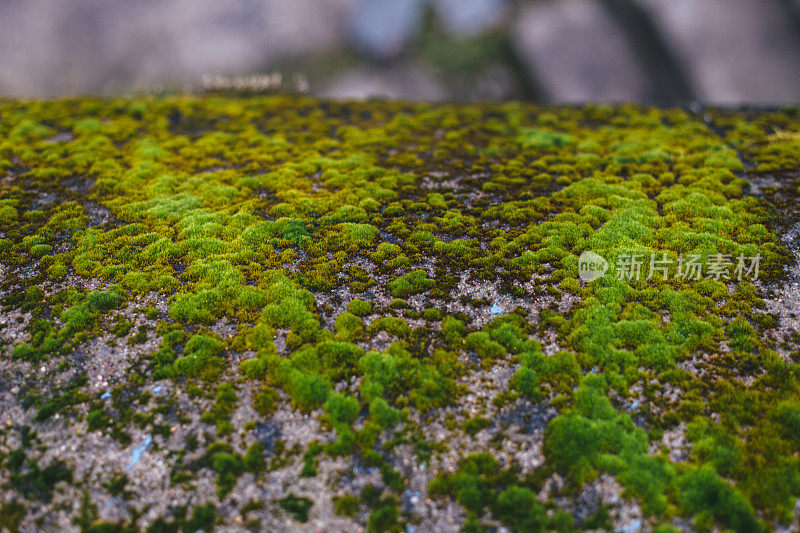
[279, 313]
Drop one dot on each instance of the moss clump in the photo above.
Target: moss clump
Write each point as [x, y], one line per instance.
[705, 492]
[223, 408]
[201, 358]
[476, 424]
[265, 402]
[384, 414]
[385, 516]
[596, 436]
[253, 460]
[40, 483]
[541, 138]
[342, 409]
[203, 518]
[414, 282]
[11, 515]
[228, 467]
[480, 484]
[309, 391]
[359, 307]
[297, 507]
[346, 505]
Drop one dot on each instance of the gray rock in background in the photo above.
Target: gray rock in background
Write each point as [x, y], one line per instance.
[733, 50]
[52, 47]
[470, 17]
[577, 52]
[381, 28]
[717, 51]
[406, 81]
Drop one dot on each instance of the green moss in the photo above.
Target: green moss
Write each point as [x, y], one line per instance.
[705, 492]
[478, 484]
[414, 282]
[391, 325]
[265, 402]
[596, 436]
[309, 391]
[40, 483]
[385, 517]
[122, 328]
[104, 300]
[474, 425]
[386, 416]
[11, 515]
[340, 358]
[346, 505]
[484, 347]
[8, 214]
[787, 415]
[391, 477]
[41, 250]
[310, 459]
[526, 382]
[228, 467]
[253, 460]
[297, 507]
[224, 406]
[360, 234]
[203, 518]
[342, 409]
[201, 358]
[359, 307]
[541, 138]
[267, 214]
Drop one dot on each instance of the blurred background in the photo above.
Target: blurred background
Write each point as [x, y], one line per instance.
[658, 51]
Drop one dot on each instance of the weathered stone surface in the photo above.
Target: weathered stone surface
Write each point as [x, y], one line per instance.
[381, 28]
[283, 314]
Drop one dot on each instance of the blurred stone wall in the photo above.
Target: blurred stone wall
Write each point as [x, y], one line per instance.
[715, 51]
